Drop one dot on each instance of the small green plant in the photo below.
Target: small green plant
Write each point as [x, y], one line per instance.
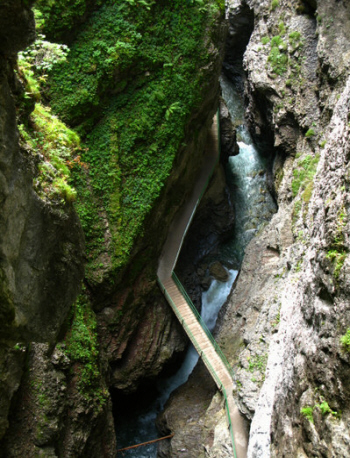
[345, 340]
[310, 133]
[265, 40]
[299, 265]
[278, 57]
[304, 174]
[277, 320]
[307, 412]
[294, 39]
[325, 409]
[258, 362]
[274, 4]
[323, 406]
[281, 28]
[338, 259]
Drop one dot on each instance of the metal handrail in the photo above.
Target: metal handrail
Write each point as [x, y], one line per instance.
[191, 336]
[229, 422]
[202, 323]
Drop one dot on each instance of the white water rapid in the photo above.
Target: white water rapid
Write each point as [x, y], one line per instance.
[246, 179]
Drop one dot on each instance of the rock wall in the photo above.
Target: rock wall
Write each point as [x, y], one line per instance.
[284, 321]
[41, 245]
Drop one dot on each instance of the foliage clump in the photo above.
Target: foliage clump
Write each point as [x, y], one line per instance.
[45, 135]
[310, 133]
[303, 176]
[274, 4]
[345, 340]
[48, 139]
[338, 259]
[308, 411]
[278, 57]
[62, 16]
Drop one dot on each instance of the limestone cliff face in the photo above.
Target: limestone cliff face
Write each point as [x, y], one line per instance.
[292, 319]
[290, 307]
[41, 245]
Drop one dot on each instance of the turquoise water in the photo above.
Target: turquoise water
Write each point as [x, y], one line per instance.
[246, 180]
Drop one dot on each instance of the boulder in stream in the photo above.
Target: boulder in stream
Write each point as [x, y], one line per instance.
[218, 271]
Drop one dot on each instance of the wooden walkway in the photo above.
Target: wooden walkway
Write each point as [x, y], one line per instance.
[182, 309]
[198, 336]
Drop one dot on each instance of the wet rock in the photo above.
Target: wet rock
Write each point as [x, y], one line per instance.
[41, 245]
[218, 271]
[17, 27]
[49, 405]
[228, 137]
[181, 414]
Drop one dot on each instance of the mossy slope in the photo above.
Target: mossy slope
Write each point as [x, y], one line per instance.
[130, 86]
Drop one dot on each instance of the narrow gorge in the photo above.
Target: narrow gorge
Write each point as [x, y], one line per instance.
[106, 108]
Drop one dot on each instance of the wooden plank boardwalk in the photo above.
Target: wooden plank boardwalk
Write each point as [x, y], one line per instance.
[198, 336]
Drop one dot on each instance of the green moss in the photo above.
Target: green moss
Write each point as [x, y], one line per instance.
[294, 39]
[303, 176]
[81, 347]
[296, 211]
[57, 145]
[338, 259]
[307, 412]
[310, 133]
[131, 137]
[258, 362]
[61, 15]
[345, 341]
[278, 57]
[306, 195]
[281, 28]
[279, 177]
[274, 4]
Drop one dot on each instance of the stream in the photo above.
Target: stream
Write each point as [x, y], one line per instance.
[246, 179]
[254, 206]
